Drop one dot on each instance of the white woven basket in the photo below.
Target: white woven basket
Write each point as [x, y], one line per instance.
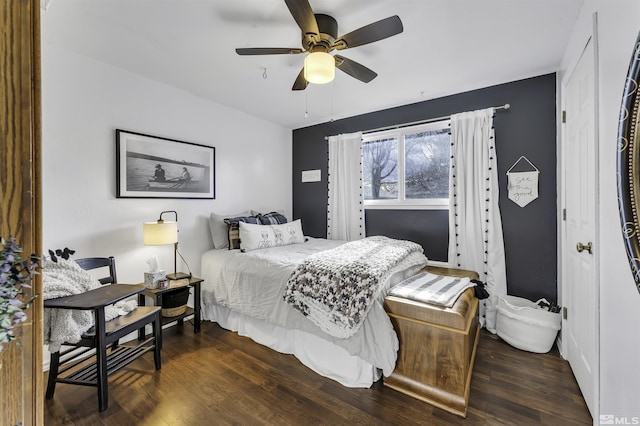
[522, 324]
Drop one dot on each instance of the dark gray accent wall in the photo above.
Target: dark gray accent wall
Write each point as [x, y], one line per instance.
[528, 128]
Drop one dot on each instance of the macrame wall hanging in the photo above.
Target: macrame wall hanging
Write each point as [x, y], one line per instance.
[523, 186]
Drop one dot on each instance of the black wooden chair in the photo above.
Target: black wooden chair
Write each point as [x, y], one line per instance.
[98, 354]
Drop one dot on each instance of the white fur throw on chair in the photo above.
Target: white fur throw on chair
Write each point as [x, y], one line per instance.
[66, 278]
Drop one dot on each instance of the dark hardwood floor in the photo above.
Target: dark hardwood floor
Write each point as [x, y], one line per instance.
[216, 377]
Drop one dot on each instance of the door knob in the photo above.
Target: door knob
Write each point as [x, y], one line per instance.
[582, 247]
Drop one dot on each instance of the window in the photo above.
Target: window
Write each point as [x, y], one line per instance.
[407, 167]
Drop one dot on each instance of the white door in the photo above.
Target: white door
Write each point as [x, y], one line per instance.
[580, 292]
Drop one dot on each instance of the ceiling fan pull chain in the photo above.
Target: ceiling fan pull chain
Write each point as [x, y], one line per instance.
[331, 102]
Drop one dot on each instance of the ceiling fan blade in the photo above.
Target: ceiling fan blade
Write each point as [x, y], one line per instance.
[303, 15]
[354, 69]
[369, 33]
[268, 51]
[301, 83]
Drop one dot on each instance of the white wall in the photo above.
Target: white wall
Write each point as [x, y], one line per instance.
[84, 101]
[618, 26]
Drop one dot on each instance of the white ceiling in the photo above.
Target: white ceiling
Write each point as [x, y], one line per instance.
[447, 47]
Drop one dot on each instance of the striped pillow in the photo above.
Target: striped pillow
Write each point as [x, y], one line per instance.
[433, 289]
[273, 218]
[233, 229]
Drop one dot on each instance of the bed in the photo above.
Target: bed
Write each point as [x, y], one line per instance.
[244, 292]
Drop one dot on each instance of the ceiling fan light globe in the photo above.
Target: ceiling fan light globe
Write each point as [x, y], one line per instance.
[319, 68]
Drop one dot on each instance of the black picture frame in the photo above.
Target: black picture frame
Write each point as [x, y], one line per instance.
[156, 167]
[628, 164]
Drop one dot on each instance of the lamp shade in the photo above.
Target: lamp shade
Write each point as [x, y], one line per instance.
[319, 68]
[160, 233]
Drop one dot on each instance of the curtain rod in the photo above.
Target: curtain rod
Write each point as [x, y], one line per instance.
[415, 123]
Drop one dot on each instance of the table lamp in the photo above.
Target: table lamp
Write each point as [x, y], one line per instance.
[164, 232]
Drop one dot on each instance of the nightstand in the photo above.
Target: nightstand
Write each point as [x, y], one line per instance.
[156, 296]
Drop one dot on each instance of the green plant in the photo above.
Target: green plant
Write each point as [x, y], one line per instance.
[15, 275]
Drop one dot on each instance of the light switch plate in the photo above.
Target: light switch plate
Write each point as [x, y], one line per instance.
[311, 175]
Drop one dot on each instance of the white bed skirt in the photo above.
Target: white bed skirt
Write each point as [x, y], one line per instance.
[322, 356]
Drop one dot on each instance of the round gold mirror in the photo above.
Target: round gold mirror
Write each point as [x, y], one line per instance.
[629, 164]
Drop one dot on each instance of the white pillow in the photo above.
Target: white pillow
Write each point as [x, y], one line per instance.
[218, 229]
[254, 237]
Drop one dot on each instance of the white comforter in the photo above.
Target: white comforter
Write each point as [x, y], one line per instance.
[253, 283]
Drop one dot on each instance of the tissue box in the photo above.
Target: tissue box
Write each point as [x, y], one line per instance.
[154, 280]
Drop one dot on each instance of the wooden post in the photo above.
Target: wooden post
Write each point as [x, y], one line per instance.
[21, 377]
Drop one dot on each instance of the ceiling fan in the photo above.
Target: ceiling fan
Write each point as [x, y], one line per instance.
[319, 37]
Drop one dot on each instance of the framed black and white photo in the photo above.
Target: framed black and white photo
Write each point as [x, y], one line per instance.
[156, 167]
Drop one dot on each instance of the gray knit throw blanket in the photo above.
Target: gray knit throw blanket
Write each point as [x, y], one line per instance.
[66, 278]
[335, 288]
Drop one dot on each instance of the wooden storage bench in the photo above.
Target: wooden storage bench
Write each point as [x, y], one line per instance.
[437, 347]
